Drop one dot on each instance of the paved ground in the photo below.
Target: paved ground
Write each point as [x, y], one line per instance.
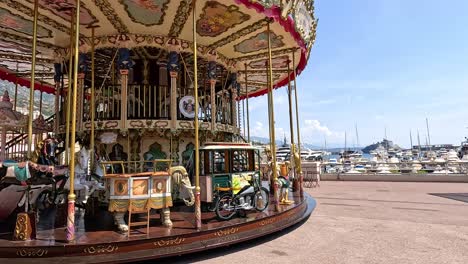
[366, 222]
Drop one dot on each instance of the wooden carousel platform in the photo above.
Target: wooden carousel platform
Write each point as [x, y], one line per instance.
[97, 240]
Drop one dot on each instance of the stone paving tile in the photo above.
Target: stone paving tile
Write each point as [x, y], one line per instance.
[365, 222]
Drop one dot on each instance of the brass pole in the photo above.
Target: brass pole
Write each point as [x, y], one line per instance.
[247, 103]
[297, 124]
[57, 103]
[68, 94]
[271, 115]
[243, 116]
[239, 123]
[272, 181]
[33, 75]
[291, 121]
[197, 147]
[92, 108]
[40, 103]
[71, 195]
[16, 87]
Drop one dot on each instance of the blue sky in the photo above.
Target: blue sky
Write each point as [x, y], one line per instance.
[380, 64]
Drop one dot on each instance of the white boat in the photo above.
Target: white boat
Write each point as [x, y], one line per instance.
[439, 170]
[383, 168]
[282, 153]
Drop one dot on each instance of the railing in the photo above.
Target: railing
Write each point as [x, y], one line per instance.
[448, 167]
[124, 167]
[17, 147]
[152, 102]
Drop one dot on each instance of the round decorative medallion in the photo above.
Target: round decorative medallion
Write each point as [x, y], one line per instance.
[159, 186]
[187, 106]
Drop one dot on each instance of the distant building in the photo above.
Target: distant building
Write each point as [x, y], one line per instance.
[435, 147]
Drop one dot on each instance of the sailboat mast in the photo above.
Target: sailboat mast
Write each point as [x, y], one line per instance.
[419, 143]
[357, 134]
[411, 139]
[428, 135]
[345, 141]
[386, 141]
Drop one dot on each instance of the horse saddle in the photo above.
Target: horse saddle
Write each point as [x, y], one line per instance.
[18, 170]
[284, 182]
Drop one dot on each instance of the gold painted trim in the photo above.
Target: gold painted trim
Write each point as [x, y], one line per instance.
[101, 249]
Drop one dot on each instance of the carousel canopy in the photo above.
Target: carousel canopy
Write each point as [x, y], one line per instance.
[231, 32]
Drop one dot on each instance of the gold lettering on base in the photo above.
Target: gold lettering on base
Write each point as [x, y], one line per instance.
[34, 252]
[170, 242]
[267, 221]
[227, 231]
[101, 249]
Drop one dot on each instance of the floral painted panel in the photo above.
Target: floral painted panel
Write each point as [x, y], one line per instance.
[304, 20]
[278, 62]
[259, 42]
[218, 18]
[146, 12]
[62, 8]
[19, 24]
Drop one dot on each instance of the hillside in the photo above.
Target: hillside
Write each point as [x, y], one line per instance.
[387, 144]
[23, 98]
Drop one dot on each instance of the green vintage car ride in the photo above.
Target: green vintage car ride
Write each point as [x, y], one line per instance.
[227, 167]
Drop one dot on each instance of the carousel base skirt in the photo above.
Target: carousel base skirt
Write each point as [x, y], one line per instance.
[97, 240]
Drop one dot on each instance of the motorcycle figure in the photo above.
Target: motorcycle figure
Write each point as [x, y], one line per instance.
[250, 197]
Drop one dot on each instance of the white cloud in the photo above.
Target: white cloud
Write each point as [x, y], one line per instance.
[324, 102]
[313, 131]
[259, 130]
[379, 117]
[279, 100]
[280, 133]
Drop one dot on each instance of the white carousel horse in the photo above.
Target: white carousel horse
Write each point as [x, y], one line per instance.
[84, 187]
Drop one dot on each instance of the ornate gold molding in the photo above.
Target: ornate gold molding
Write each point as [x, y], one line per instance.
[226, 231]
[44, 19]
[183, 11]
[108, 11]
[241, 33]
[265, 54]
[14, 37]
[18, 57]
[31, 252]
[169, 242]
[101, 249]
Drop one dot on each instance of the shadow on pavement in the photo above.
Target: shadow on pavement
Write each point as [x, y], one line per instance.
[221, 251]
[462, 197]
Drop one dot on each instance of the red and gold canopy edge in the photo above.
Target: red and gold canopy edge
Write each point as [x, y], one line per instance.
[231, 32]
[12, 77]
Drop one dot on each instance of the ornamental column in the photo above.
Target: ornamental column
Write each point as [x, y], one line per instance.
[212, 79]
[124, 63]
[71, 194]
[82, 69]
[173, 68]
[58, 81]
[271, 117]
[301, 174]
[33, 80]
[233, 99]
[247, 103]
[296, 185]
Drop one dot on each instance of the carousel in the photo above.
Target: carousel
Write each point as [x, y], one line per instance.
[146, 153]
